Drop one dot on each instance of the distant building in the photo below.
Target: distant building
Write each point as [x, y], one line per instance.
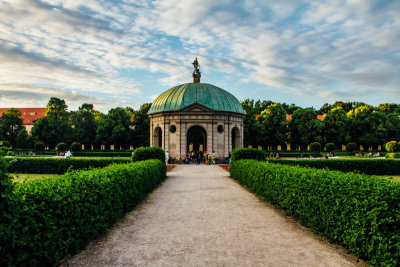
[29, 115]
[289, 117]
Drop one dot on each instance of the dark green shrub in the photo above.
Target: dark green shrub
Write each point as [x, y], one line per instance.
[145, 153]
[315, 147]
[61, 147]
[75, 146]
[351, 147]
[357, 211]
[392, 155]
[330, 147]
[4, 143]
[248, 153]
[58, 165]
[391, 146]
[56, 217]
[39, 146]
[366, 166]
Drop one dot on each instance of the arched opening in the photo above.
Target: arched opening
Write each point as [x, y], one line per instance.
[196, 139]
[157, 137]
[235, 138]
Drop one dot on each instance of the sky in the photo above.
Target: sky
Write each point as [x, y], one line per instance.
[126, 53]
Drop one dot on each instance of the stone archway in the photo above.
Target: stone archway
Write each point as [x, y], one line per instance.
[157, 137]
[235, 138]
[196, 139]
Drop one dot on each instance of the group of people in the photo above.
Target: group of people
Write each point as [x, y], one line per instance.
[198, 157]
[272, 155]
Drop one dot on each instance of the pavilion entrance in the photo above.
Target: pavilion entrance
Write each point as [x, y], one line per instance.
[157, 137]
[196, 139]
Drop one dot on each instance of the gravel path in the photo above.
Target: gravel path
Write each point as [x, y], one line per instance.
[201, 217]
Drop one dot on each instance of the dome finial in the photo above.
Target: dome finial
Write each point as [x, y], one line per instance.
[196, 73]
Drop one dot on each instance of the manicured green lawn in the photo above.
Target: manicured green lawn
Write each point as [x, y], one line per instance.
[30, 176]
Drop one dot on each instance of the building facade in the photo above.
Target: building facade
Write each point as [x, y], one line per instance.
[196, 117]
[29, 116]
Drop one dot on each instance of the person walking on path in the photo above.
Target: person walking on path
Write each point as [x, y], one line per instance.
[214, 157]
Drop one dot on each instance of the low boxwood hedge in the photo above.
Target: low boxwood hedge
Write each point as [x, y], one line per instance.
[287, 154]
[366, 166]
[145, 153]
[248, 153]
[58, 165]
[51, 218]
[117, 153]
[358, 211]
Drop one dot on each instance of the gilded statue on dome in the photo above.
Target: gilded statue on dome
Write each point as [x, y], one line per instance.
[196, 73]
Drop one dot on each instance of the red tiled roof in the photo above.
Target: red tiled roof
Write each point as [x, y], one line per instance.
[29, 115]
[289, 117]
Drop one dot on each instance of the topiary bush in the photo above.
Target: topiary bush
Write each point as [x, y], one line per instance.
[145, 153]
[61, 147]
[39, 146]
[392, 146]
[330, 147]
[351, 147]
[248, 153]
[75, 146]
[315, 147]
[60, 216]
[357, 211]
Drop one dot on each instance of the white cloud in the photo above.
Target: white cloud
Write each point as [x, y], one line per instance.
[301, 47]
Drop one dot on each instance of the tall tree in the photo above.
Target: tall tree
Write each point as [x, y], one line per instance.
[305, 128]
[254, 132]
[141, 126]
[274, 121]
[23, 139]
[336, 127]
[55, 127]
[85, 124]
[114, 128]
[368, 127]
[11, 124]
[389, 108]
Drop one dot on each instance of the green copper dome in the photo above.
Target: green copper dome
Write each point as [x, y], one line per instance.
[204, 94]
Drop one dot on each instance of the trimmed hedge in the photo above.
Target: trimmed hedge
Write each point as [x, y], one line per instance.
[366, 166]
[358, 211]
[58, 165]
[297, 154]
[54, 217]
[102, 153]
[248, 153]
[392, 155]
[145, 153]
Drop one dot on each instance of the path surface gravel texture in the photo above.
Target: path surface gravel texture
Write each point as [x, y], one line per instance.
[201, 217]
